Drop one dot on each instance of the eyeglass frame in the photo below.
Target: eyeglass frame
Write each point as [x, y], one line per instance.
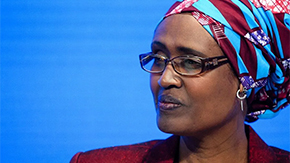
[206, 63]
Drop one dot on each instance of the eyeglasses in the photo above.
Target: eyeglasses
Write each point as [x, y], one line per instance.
[187, 65]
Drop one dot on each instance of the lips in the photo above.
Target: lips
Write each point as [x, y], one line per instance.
[167, 102]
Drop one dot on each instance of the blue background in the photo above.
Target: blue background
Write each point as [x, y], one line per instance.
[71, 80]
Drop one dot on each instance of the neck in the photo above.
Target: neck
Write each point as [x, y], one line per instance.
[227, 144]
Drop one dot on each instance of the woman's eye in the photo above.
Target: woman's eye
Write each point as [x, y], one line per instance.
[158, 61]
[190, 64]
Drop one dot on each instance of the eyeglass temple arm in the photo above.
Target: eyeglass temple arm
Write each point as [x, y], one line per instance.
[146, 59]
[212, 63]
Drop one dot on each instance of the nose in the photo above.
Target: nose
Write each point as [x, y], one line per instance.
[169, 78]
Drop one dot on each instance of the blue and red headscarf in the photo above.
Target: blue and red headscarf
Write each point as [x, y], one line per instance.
[255, 36]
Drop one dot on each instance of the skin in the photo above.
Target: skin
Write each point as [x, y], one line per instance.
[205, 113]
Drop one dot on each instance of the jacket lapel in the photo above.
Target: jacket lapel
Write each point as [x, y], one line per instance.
[258, 150]
[164, 151]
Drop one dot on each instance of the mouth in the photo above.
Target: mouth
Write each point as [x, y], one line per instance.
[166, 102]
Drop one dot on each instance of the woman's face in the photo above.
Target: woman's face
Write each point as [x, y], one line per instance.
[191, 105]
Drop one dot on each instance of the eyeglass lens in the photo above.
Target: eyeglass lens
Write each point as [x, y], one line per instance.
[184, 64]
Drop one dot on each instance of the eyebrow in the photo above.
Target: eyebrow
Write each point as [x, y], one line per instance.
[186, 50]
[160, 44]
[181, 49]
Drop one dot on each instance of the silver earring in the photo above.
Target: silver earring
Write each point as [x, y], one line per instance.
[241, 98]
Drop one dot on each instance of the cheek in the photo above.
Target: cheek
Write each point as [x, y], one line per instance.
[225, 92]
[201, 94]
[154, 85]
[212, 93]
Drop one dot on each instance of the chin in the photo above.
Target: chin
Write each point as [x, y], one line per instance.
[174, 131]
[165, 125]
[169, 126]
[177, 127]
[167, 130]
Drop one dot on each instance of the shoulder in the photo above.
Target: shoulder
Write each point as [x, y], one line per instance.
[151, 151]
[128, 153]
[281, 155]
[259, 151]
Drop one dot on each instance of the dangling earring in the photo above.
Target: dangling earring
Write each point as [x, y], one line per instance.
[241, 91]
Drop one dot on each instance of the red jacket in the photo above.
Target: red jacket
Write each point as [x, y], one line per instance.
[164, 151]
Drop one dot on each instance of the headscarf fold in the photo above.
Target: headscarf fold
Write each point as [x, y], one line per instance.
[254, 35]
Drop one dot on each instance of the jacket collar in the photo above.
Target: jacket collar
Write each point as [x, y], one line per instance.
[167, 151]
[164, 151]
[258, 150]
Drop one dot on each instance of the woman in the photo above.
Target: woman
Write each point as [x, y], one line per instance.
[213, 65]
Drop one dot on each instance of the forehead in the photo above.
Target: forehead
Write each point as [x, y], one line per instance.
[183, 30]
[179, 24]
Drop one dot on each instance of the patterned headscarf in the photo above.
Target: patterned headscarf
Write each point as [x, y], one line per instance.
[254, 35]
